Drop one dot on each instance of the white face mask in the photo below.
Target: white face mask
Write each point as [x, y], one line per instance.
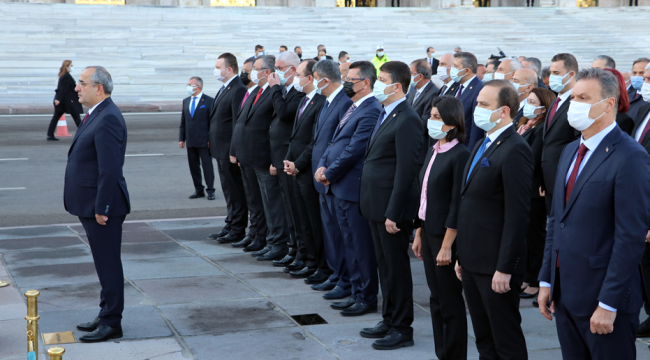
[318, 91]
[442, 73]
[71, 68]
[217, 74]
[529, 110]
[254, 77]
[430, 54]
[483, 117]
[645, 91]
[380, 54]
[435, 129]
[190, 89]
[296, 83]
[578, 115]
[500, 76]
[555, 82]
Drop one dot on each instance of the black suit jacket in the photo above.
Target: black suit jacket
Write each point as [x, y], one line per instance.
[256, 149]
[422, 106]
[238, 137]
[535, 139]
[223, 114]
[434, 65]
[67, 96]
[283, 119]
[326, 56]
[625, 123]
[643, 112]
[556, 138]
[494, 207]
[452, 89]
[388, 180]
[636, 102]
[301, 141]
[540, 84]
[195, 130]
[443, 189]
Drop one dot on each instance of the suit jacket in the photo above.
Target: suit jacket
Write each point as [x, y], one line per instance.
[468, 98]
[285, 110]
[256, 149]
[495, 207]
[604, 246]
[443, 189]
[643, 112]
[535, 139]
[328, 119]
[422, 106]
[326, 56]
[388, 181]
[625, 122]
[94, 183]
[223, 114]
[434, 66]
[195, 130]
[556, 137]
[345, 154]
[238, 136]
[636, 102]
[518, 116]
[301, 142]
[67, 96]
[540, 84]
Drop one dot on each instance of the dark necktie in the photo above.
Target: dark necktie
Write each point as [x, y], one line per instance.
[645, 130]
[381, 117]
[552, 112]
[347, 115]
[443, 89]
[574, 174]
[478, 155]
[86, 117]
[460, 91]
[303, 106]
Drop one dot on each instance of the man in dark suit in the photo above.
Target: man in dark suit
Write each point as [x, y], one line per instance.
[609, 171]
[298, 164]
[493, 217]
[443, 73]
[557, 131]
[259, 51]
[320, 48]
[222, 117]
[420, 95]
[194, 135]
[639, 67]
[286, 100]
[328, 82]
[433, 62]
[95, 191]
[463, 72]
[340, 168]
[524, 81]
[388, 200]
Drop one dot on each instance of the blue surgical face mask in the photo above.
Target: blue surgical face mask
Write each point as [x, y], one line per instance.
[413, 82]
[378, 91]
[555, 82]
[637, 82]
[482, 118]
[318, 91]
[435, 129]
[529, 110]
[380, 54]
[281, 77]
[454, 73]
[488, 77]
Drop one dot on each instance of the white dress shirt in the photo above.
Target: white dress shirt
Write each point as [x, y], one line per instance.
[522, 103]
[496, 134]
[447, 86]
[311, 95]
[419, 91]
[333, 94]
[639, 130]
[251, 89]
[93, 108]
[563, 97]
[389, 109]
[196, 102]
[360, 101]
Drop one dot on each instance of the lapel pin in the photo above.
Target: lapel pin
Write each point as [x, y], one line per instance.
[497, 142]
[470, 87]
[394, 115]
[606, 149]
[312, 103]
[228, 87]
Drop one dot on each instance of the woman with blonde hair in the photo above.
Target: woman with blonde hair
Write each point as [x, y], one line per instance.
[65, 100]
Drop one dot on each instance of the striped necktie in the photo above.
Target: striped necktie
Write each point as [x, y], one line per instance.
[347, 115]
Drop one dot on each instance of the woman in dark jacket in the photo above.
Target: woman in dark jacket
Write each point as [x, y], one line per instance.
[624, 121]
[65, 100]
[531, 127]
[440, 182]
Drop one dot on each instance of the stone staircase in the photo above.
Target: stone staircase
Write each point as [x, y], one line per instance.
[152, 51]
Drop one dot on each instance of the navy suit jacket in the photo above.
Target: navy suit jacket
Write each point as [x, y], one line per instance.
[599, 236]
[195, 130]
[328, 120]
[468, 98]
[636, 102]
[345, 155]
[94, 183]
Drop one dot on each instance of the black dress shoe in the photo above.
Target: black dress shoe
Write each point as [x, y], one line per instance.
[262, 251]
[197, 194]
[284, 261]
[378, 332]
[325, 286]
[52, 138]
[230, 238]
[536, 303]
[245, 242]
[297, 264]
[337, 293]
[359, 309]
[273, 254]
[102, 333]
[525, 295]
[302, 273]
[89, 326]
[393, 341]
[211, 196]
[221, 233]
[340, 305]
[317, 278]
[644, 329]
[256, 245]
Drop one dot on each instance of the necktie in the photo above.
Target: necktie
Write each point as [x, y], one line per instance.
[552, 112]
[442, 91]
[347, 115]
[379, 121]
[192, 107]
[219, 93]
[86, 117]
[415, 98]
[645, 130]
[258, 96]
[574, 174]
[303, 106]
[460, 91]
[478, 155]
[245, 97]
[284, 92]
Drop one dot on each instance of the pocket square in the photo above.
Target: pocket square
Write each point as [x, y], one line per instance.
[202, 107]
[485, 162]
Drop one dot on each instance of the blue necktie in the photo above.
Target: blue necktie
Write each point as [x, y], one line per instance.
[379, 121]
[192, 107]
[219, 93]
[478, 155]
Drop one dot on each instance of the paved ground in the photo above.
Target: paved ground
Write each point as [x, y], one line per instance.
[189, 298]
[32, 171]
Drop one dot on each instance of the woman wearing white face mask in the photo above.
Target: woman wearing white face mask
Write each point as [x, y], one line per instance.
[531, 127]
[65, 100]
[440, 183]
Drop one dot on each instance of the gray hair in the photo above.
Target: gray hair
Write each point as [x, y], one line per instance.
[514, 65]
[609, 62]
[546, 72]
[536, 64]
[468, 60]
[101, 77]
[268, 61]
[422, 67]
[328, 69]
[609, 84]
[458, 48]
[198, 80]
[290, 58]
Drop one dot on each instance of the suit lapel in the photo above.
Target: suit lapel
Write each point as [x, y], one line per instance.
[641, 115]
[562, 109]
[355, 113]
[249, 100]
[326, 112]
[91, 117]
[254, 107]
[486, 155]
[383, 126]
[220, 95]
[428, 87]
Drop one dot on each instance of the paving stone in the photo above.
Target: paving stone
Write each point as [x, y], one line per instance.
[168, 268]
[313, 303]
[158, 349]
[188, 224]
[32, 232]
[276, 283]
[135, 237]
[68, 255]
[192, 234]
[195, 289]
[13, 339]
[7, 246]
[211, 247]
[126, 227]
[243, 263]
[153, 250]
[48, 275]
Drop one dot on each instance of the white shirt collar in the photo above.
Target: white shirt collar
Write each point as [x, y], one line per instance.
[251, 89]
[593, 142]
[198, 96]
[265, 86]
[360, 101]
[496, 134]
[289, 87]
[229, 81]
[389, 109]
[564, 96]
[311, 94]
[334, 93]
[468, 81]
[420, 90]
[93, 108]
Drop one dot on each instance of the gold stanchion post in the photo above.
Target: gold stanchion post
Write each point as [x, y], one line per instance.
[56, 353]
[32, 324]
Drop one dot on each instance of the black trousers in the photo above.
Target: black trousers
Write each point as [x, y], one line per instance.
[392, 3]
[536, 240]
[634, 2]
[395, 279]
[232, 186]
[55, 119]
[105, 244]
[308, 207]
[645, 270]
[495, 317]
[287, 185]
[198, 157]
[274, 211]
[348, 3]
[258, 229]
[447, 305]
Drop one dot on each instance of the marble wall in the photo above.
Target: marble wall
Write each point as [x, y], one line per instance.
[380, 3]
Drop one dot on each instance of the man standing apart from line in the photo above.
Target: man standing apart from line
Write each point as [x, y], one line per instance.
[95, 191]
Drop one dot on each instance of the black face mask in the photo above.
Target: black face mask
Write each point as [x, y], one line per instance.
[347, 87]
[300, 55]
[244, 78]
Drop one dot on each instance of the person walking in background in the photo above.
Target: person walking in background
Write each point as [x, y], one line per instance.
[66, 99]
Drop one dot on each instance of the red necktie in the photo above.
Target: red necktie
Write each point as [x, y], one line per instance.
[245, 97]
[553, 111]
[258, 96]
[574, 174]
[645, 130]
[85, 117]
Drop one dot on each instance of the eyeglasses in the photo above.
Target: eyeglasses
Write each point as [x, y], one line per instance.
[260, 69]
[349, 79]
[83, 83]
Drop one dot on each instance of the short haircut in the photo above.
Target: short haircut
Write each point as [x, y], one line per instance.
[328, 69]
[323, 50]
[452, 114]
[468, 60]
[249, 60]
[198, 80]
[422, 67]
[268, 61]
[258, 47]
[530, 78]
[546, 72]
[608, 83]
[458, 48]
[535, 62]
[514, 65]
[366, 70]
[284, 47]
[289, 57]
[495, 63]
[309, 67]
[569, 61]
[399, 73]
[230, 61]
[609, 61]
[481, 65]
[319, 46]
[640, 60]
[430, 47]
[507, 96]
[103, 78]
[342, 54]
